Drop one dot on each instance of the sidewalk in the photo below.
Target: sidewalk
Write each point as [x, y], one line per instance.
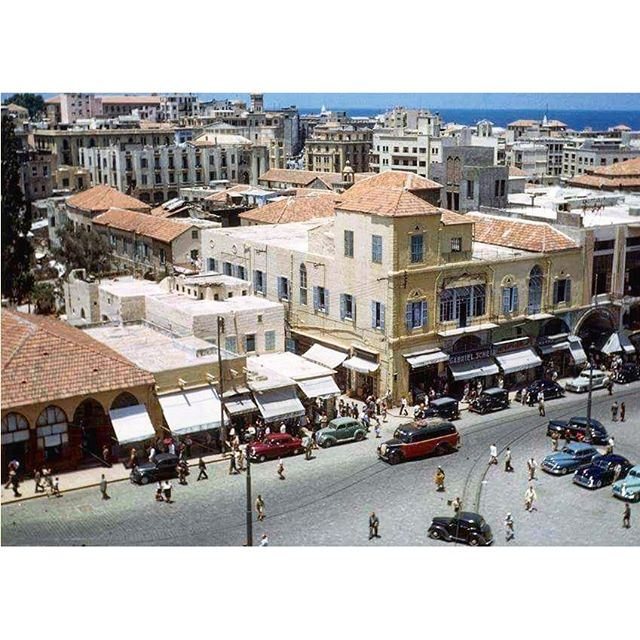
[85, 478]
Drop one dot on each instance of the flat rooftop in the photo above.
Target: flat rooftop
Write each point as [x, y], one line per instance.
[484, 251]
[157, 351]
[208, 278]
[130, 286]
[297, 367]
[216, 307]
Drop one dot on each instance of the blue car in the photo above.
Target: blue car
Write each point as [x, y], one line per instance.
[572, 457]
[602, 471]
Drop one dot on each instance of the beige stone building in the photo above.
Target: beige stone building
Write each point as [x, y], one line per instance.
[332, 146]
[410, 295]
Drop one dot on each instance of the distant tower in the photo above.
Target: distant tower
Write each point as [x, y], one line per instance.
[257, 102]
[347, 173]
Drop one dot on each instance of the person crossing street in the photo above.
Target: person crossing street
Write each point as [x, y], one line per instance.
[623, 412]
[374, 524]
[529, 497]
[531, 468]
[509, 533]
[103, 488]
[493, 454]
[202, 470]
[614, 411]
[280, 469]
[507, 461]
[541, 410]
[439, 478]
[260, 508]
[626, 517]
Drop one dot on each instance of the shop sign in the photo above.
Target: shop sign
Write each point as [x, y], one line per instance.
[470, 356]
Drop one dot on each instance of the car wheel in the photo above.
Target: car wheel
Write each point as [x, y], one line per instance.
[474, 542]
[144, 480]
[296, 451]
[434, 534]
[327, 443]
[394, 458]
[564, 472]
[599, 484]
[262, 458]
[359, 436]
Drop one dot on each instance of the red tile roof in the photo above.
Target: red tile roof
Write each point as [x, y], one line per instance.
[383, 201]
[143, 224]
[294, 209]
[625, 169]
[302, 178]
[449, 218]
[621, 175]
[393, 180]
[102, 197]
[519, 234]
[44, 360]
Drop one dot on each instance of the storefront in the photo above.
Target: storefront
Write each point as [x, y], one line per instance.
[319, 395]
[561, 353]
[132, 425]
[192, 411]
[618, 343]
[279, 405]
[240, 409]
[427, 370]
[518, 362]
[331, 358]
[363, 378]
[474, 367]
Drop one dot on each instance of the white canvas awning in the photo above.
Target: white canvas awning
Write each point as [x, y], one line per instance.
[577, 352]
[546, 349]
[279, 404]
[519, 360]
[239, 405]
[475, 369]
[360, 365]
[425, 359]
[192, 410]
[616, 343]
[325, 356]
[132, 424]
[324, 387]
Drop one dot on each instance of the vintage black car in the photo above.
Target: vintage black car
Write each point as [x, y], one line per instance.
[446, 408]
[602, 471]
[628, 372]
[549, 388]
[576, 429]
[466, 527]
[164, 466]
[494, 399]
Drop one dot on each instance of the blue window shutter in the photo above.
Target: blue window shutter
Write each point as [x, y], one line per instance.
[409, 315]
[381, 316]
[373, 314]
[505, 299]
[515, 299]
[425, 314]
[326, 301]
[568, 291]
[343, 307]
[316, 298]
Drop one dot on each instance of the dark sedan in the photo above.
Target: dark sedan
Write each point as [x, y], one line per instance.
[163, 466]
[576, 429]
[575, 456]
[602, 471]
[491, 400]
[549, 389]
[628, 372]
[466, 527]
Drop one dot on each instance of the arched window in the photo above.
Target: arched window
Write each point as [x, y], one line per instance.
[125, 399]
[535, 290]
[303, 283]
[51, 431]
[15, 428]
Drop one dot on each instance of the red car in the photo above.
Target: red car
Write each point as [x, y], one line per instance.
[275, 445]
[422, 438]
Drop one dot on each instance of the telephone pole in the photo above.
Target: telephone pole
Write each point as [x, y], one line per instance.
[249, 500]
[223, 427]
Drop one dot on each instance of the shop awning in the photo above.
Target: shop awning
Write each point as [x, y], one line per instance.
[616, 343]
[475, 369]
[132, 424]
[325, 356]
[519, 360]
[552, 347]
[324, 387]
[360, 365]
[279, 404]
[239, 405]
[192, 410]
[417, 360]
[458, 331]
[577, 352]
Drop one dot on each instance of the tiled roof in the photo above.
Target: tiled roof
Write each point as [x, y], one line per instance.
[163, 229]
[44, 360]
[449, 218]
[221, 196]
[392, 180]
[517, 172]
[302, 178]
[383, 201]
[102, 197]
[519, 234]
[522, 123]
[53, 100]
[294, 209]
[626, 169]
[592, 181]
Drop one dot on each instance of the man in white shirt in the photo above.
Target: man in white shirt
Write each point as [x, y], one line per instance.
[493, 454]
[283, 428]
[264, 542]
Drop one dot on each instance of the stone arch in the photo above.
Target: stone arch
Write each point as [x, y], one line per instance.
[52, 432]
[554, 326]
[124, 399]
[15, 440]
[92, 428]
[595, 327]
[466, 343]
[535, 285]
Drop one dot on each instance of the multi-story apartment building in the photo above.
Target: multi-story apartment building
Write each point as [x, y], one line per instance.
[178, 106]
[621, 176]
[582, 156]
[403, 118]
[409, 295]
[66, 108]
[145, 107]
[530, 157]
[525, 128]
[331, 146]
[37, 173]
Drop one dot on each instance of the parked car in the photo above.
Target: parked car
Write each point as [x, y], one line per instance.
[445, 408]
[494, 399]
[577, 430]
[418, 439]
[163, 466]
[600, 379]
[572, 457]
[275, 445]
[549, 388]
[339, 430]
[602, 471]
[628, 372]
[466, 527]
[628, 488]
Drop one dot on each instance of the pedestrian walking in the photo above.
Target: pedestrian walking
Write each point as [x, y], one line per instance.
[541, 403]
[37, 478]
[509, 533]
[159, 496]
[507, 461]
[614, 411]
[493, 454]
[384, 410]
[133, 458]
[13, 470]
[280, 469]
[105, 454]
[529, 498]
[233, 469]
[47, 480]
[103, 488]
[374, 524]
[202, 470]
[166, 490]
[15, 485]
[264, 541]
[403, 407]
[610, 444]
[617, 472]
[260, 508]
[240, 460]
[55, 488]
[623, 412]
[626, 517]
[439, 478]
[610, 387]
[456, 503]
[554, 441]
[531, 468]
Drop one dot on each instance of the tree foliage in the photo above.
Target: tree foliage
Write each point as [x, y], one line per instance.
[44, 298]
[82, 249]
[32, 101]
[17, 251]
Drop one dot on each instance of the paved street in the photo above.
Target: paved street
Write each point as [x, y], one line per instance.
[326, 501]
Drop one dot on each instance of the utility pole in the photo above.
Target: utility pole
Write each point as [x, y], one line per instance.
[223, 428]
[249, 500]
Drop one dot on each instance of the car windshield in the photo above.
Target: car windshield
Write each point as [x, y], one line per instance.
[401, 435]
[569, 451]
[601, 463]
[596, 374]
[635, 473]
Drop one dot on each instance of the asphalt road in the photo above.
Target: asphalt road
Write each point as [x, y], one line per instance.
[327, 500]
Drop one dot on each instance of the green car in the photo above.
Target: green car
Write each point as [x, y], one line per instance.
[628, 488]
[340, 429]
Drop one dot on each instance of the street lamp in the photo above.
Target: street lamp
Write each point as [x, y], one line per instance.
[249, 513]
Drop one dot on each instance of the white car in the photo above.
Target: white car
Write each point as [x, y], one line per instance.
[581, 383]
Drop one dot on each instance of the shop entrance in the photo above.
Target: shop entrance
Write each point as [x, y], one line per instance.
[92, 426]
